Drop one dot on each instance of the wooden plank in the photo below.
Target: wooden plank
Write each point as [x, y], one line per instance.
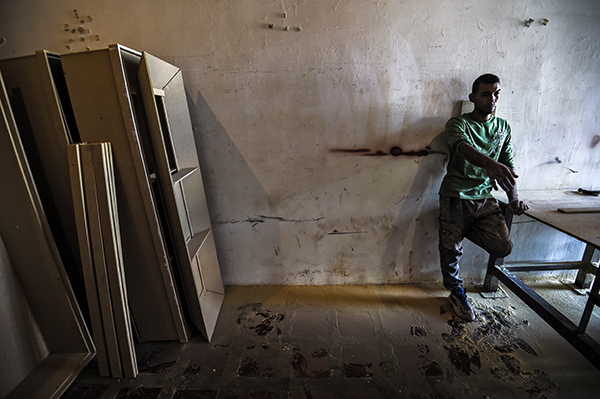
[579, 210]
[79, 207]
[95, 233]
[102, 162]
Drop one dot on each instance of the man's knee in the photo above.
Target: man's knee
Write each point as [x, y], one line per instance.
[502, 249]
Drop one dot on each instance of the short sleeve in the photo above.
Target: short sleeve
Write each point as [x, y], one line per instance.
[456, 133]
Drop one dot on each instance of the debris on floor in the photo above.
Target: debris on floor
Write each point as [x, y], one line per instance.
[389, 342]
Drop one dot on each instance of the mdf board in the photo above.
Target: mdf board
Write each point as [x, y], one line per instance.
[101, 87]
[40, 104]
[99, 235]
[56, 345]
[182, 190]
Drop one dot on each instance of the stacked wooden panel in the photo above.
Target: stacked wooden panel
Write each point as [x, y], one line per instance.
[95, 205]
[133, 106]
[40, 103]
[179, 182]
[46, 343]
[102, 87]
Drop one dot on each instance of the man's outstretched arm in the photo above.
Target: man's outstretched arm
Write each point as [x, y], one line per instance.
[500, 175]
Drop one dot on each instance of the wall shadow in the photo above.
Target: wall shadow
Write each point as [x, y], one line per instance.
[243, 217]
[419, 208]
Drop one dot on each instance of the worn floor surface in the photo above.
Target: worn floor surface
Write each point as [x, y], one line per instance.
[353, 342]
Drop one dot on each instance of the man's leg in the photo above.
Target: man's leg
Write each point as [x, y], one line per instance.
[454, 221]
[490, 231]
[451, 236]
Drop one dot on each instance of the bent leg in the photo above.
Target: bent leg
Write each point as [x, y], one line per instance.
[490, 231]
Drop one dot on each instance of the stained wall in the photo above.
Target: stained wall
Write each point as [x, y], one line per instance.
[296, 105]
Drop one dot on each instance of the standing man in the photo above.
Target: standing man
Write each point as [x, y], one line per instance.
[481, 158]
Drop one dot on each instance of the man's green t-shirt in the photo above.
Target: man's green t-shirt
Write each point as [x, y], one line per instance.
[491, 138]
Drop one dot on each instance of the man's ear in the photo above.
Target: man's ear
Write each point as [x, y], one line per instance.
[471, 97]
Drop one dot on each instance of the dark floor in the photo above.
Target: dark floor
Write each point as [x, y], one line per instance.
[357, 342]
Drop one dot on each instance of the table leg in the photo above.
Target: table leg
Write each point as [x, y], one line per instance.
[589, 256]
[490, 284]
[593, 300]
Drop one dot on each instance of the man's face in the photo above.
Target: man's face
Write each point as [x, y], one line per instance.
[486, 98]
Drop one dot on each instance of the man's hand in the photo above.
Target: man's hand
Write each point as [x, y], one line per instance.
[501, 175]
[517, 207]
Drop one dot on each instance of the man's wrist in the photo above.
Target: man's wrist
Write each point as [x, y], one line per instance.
[487, 163]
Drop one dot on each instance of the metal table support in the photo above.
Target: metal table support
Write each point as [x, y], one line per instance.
[498, 270]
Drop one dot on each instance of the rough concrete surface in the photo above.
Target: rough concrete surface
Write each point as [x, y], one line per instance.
[342, 342]
[270, 106]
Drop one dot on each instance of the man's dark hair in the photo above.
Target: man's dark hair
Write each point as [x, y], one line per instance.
[488, 78]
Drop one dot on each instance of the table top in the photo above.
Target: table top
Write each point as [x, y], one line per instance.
[544, 205]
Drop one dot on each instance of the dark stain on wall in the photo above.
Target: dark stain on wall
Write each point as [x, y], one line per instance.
[394, 151]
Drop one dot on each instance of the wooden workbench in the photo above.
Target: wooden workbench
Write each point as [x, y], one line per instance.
[578, 216]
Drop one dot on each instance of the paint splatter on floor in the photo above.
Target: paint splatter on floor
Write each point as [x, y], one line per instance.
[262, 321]
[494, 339]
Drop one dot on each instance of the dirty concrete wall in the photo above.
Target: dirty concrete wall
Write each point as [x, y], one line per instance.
[296, 104]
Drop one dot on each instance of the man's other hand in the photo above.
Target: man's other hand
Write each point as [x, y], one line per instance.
[517, 207]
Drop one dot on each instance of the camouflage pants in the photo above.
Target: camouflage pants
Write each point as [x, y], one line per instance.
[481, 221]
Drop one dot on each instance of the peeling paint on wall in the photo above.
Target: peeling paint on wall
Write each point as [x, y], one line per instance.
[79, 32]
